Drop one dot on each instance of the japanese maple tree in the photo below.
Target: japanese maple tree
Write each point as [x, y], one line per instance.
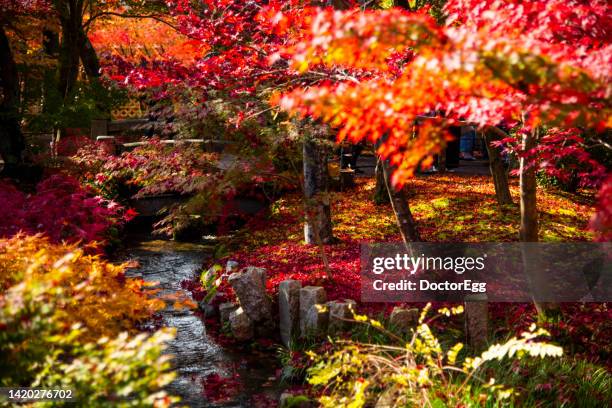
[540, 67]
[232, 51]
[529, 64]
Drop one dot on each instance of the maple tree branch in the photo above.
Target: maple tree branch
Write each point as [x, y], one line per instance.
[155, 17]
[602, 143]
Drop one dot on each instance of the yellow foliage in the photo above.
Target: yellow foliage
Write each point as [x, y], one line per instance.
[97, 293]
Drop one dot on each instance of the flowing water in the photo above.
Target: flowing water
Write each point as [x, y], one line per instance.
[196, 355]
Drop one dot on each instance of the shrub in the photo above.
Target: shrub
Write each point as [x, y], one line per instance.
[563, 382]
[418, 372]
[62, 210]
[55, 304]
[98, 295]
[151, 169]
[156, 168]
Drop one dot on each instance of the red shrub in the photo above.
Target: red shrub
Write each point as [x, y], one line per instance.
[61, 209]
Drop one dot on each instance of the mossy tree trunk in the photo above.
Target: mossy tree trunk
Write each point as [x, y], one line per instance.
[496, 165]
[318, 225]
[381, 194]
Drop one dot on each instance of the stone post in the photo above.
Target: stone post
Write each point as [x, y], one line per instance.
[289, 309]
[403, 319]
[309, 296]
[241, 325]
[339, 311]
[316, 321]
[476, 320]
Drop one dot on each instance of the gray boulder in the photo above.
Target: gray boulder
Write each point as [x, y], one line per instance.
[250, 288]
[225, 309]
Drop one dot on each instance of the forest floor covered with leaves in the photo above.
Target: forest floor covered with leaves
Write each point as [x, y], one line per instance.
[448, 208]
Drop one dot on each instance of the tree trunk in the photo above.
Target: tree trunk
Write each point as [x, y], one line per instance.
[89, 58]
[12, 142]
[318, 219]
[91, 64]
[381, 195]
[496, 165]
[399, 202]
[547, 310]
[476, 321]
[529, 211]
[401, 208]
[70, 49]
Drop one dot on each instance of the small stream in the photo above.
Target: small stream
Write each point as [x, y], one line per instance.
[197, 356]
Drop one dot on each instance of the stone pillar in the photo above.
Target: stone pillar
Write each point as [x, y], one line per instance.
[316, 321]
[289, 309]
[476, 320]
[339, 311]
[309, 296]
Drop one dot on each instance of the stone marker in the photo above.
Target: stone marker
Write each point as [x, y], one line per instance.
[338, 312]
[250, 288]
[289, 309]
[403, 319]
[241, 325]
[316, 321]
[225, 309]
[309, 296]
[283, 401]
[476, 320]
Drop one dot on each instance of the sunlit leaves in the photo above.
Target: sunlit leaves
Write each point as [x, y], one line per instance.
[353, 373]
[494, 62]
[66, 320]
[100, 296]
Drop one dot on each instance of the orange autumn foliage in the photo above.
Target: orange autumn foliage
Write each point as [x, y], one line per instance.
[143, 40]
[96, 293]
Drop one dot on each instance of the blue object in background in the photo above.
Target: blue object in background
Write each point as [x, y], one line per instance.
[467, 140]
